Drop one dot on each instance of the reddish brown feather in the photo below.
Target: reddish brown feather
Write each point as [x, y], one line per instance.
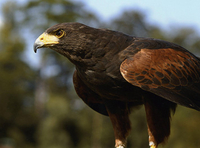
[152, 68]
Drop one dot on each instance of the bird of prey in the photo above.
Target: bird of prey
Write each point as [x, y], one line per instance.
[116, 72]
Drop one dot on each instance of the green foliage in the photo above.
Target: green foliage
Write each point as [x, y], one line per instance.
[18, 119]
[52, 131]
[39, 108]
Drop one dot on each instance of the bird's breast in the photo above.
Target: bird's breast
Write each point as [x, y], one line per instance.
[109, 84]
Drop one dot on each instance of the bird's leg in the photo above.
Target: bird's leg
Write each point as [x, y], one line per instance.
[152, 141]
[150, 124]
[119, 116]
[121, 126]
[158, 119]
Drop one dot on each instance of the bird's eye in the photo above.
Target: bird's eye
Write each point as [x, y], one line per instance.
[60, 33]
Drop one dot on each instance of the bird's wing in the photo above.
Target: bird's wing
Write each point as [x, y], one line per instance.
[165, 69]
[92, 99]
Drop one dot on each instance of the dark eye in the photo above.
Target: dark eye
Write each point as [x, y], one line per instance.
[59, 33]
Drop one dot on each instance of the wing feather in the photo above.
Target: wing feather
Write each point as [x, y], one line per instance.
[172, 73]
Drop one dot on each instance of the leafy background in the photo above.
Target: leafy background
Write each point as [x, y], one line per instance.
[38, 105]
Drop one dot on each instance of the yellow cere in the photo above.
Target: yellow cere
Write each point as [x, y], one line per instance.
[47, 39]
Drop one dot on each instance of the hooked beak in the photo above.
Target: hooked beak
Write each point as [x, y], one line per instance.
[45, 40]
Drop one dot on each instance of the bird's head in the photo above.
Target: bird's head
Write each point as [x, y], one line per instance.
[68, 39]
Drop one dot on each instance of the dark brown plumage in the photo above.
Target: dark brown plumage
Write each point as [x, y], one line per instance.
[116, 72]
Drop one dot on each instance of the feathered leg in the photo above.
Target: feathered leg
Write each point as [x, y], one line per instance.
[158, 114]
[119, 115]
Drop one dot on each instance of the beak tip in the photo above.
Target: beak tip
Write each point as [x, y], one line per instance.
[35, 47]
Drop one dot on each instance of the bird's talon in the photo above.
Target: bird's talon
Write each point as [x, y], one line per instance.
[153, 146]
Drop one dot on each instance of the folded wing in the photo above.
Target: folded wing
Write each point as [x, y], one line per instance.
[165, 69]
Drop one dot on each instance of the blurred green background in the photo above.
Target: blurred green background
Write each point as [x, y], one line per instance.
[38, 105]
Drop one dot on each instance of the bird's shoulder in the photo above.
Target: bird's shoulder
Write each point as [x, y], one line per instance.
[139, 43]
